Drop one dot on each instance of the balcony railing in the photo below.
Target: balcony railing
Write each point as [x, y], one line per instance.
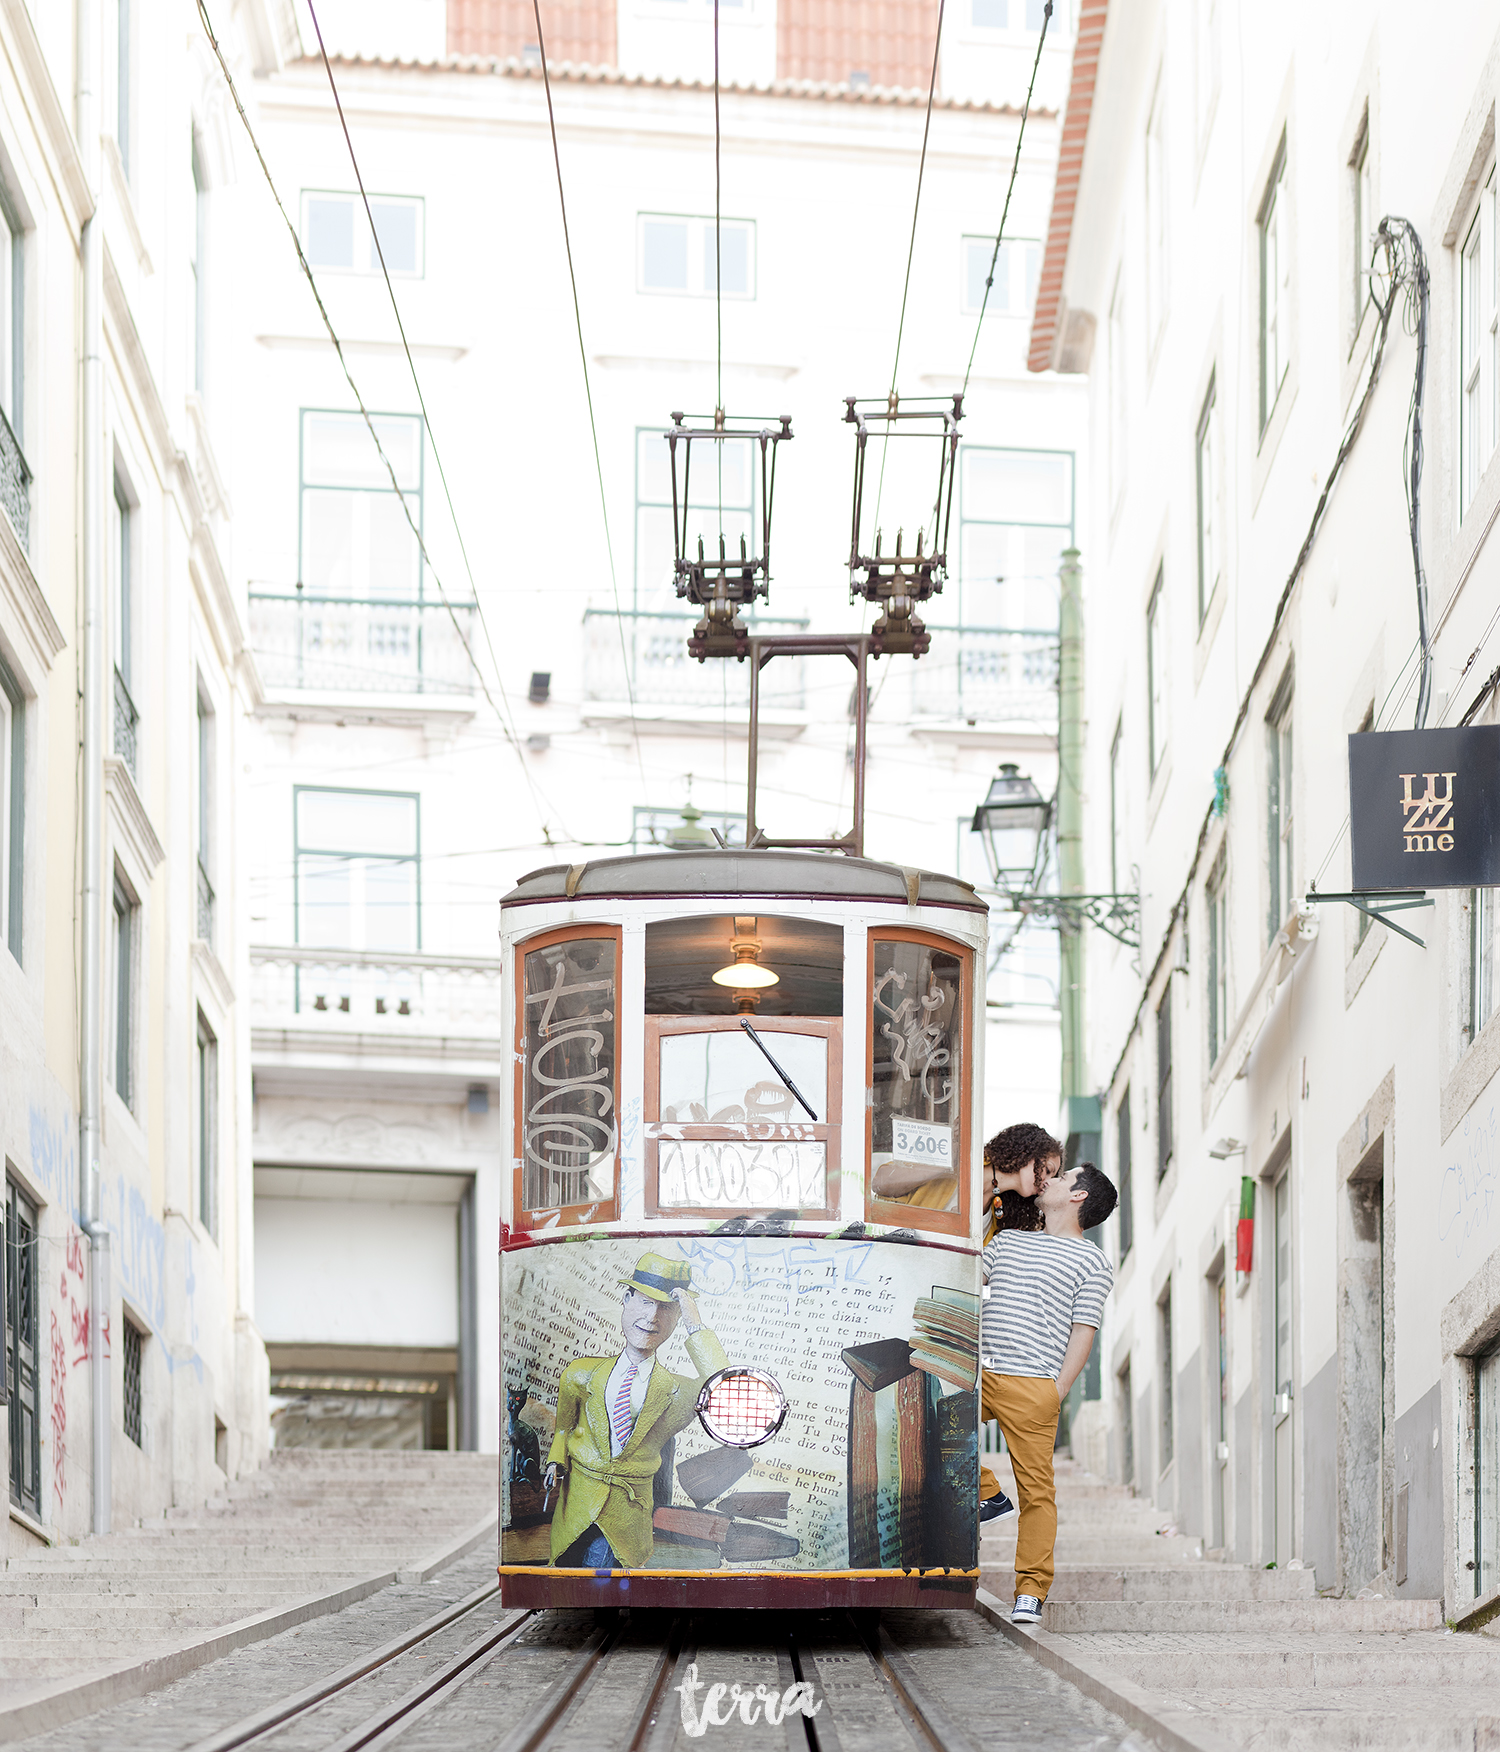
[655, 647]
[363, 989]
[126, 721]
[15, 484]
[344, 644]
[988, 673]
[205, 906]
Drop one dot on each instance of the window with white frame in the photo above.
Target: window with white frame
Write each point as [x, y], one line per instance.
[357, 542]
[206, 1114]
[1206, 57]
[12, 323]
[1115, 364]
[1217, 896]
[338, 237]
[1363, 219]
[198, 271]
[1017, 269]
[1208, 498]
[1156, 213]
[1479, 981]
[12, 806]
[1117, 853]
[1275, 286]
[358, 869]
[1013, 15]
[125, 914]
[1479, 344]
[117, 24]
[721, 492]
[1156, 668]
[205, 812]
[1015, 511]
[676, 254]
[1279, 806]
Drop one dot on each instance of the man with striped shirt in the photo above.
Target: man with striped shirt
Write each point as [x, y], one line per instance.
[1043, 1303]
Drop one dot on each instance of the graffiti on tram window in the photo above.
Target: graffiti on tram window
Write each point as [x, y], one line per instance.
[568, 1129]
[916, 1063]
[701, 1173]
[607, 1347]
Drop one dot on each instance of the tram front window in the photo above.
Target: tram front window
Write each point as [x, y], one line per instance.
[918, 1004]
[568, 1073]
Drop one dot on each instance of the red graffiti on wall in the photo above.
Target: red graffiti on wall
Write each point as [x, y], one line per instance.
[59, 1408]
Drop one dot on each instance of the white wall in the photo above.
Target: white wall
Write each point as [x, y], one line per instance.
[337, 1272]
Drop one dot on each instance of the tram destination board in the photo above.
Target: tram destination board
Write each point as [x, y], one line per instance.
[1424, 808]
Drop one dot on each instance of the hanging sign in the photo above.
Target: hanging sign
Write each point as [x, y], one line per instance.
[1424, 808]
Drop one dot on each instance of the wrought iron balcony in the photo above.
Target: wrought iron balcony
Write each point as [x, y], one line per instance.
[205, 906]
[15, 484]
[345, 644]
[663, 674]
[126, 721]
[364, 990]
[989, 673]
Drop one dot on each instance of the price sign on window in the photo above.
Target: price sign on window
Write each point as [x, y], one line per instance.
[915, 1140]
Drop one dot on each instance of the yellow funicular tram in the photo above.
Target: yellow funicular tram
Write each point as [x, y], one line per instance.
[739, 1288]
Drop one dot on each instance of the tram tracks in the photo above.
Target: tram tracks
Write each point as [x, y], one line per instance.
[549, 1669]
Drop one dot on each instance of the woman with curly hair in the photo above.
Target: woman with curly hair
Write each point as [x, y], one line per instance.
[1016, 1163]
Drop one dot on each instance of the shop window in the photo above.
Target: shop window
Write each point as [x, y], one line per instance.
[21, 1350]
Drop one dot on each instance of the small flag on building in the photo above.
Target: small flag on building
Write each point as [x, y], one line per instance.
[1244, 1250]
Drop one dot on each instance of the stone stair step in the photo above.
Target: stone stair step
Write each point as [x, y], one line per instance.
[145, 1583]
[1330, 1663]
[139, 1619]
[1287, 1617]
[1182, 1581]
[1373, 1719]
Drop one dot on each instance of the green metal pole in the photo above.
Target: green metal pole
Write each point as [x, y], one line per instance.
[1070, 814]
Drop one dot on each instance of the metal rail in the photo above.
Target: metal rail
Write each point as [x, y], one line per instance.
[653, 1726]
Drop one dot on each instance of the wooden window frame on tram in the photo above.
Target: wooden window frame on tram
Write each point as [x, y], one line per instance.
[599, 1210]
[892, 1211]
[828, 1132]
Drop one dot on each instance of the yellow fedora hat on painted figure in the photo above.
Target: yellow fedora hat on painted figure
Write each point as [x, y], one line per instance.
[657, 1276]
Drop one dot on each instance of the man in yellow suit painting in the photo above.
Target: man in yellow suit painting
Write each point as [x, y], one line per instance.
[616, 1414]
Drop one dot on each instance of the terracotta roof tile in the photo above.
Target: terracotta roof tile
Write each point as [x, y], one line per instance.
[1075, 129]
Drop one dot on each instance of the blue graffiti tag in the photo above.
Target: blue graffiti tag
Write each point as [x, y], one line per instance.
[1467, 1192]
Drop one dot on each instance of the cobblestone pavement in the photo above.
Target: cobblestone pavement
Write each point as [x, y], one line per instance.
[995, 1692]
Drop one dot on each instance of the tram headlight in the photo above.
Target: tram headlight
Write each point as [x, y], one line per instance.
[742, 1407]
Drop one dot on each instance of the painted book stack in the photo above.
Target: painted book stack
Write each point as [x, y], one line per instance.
[946, 1342]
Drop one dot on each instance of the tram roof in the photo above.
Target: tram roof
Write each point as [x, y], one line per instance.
[742, 875]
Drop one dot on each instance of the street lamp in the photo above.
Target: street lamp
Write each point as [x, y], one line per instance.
[1012, 821]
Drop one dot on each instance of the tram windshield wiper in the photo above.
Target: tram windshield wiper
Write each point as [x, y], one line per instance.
[745, 1024]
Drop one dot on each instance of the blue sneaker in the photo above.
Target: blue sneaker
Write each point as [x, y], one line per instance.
[1027, 1610]
[998, 1508]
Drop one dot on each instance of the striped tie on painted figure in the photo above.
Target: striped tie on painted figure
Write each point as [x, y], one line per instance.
[621, 1417]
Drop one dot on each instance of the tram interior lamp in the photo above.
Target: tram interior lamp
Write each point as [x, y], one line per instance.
[720, 583]
[1012, 821]
[897, 581]
[745, 976]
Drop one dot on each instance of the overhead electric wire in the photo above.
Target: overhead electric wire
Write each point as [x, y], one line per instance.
[583, 359]
[338, 348]
[1015, 166]
[437, 457]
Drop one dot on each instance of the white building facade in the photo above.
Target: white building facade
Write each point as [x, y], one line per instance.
[433, 726]
[1265, 1058]
[134, 1378]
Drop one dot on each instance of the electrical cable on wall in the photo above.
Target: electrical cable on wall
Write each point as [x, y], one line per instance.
[1408, 276]
[338, 348]
[1407, 273]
